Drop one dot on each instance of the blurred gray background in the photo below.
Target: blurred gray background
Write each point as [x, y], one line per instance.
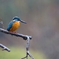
[42, 17]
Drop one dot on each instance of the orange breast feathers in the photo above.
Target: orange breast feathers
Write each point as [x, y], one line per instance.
[15, 26]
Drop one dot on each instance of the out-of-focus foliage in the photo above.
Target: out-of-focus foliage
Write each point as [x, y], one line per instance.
[18, 53]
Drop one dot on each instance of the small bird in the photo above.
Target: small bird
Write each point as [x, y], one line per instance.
[14, 24]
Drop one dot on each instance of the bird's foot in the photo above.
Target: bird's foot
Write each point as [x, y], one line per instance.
[12, 32]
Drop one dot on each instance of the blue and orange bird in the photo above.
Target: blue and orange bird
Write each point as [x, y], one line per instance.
[15, 24]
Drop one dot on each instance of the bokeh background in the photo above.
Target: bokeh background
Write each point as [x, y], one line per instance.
[42, 17]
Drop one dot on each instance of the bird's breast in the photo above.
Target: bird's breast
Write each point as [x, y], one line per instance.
[15, 26]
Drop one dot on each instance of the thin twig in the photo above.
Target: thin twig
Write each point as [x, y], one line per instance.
[27, 49]
[4, 48]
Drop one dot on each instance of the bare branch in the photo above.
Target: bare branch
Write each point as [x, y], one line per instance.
[27, 49]
[15, 34]
[4, 48]
[25, 37]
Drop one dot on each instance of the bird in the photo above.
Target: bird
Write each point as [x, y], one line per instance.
[14, 24]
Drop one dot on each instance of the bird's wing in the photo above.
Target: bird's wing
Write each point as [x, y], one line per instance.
[10, 25]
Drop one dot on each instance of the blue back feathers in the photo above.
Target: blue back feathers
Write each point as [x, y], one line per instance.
[10, 25]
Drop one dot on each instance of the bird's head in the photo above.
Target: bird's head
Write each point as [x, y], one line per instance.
[17, 18]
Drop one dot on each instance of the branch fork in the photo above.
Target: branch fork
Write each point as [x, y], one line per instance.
[25, 37]
[27, 49]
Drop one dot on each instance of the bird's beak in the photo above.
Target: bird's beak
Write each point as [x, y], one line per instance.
[23, 21]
